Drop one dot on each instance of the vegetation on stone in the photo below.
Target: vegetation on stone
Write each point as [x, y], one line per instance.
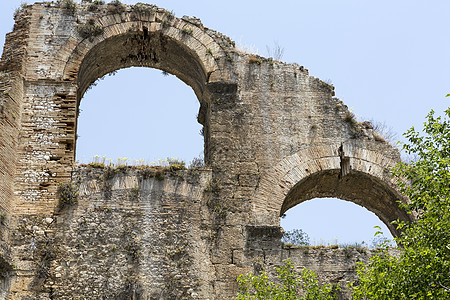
[196, 163]
[68, 195]
[295, 237]
[95, 5]
[3, 218]
[187, 30]
[144, 8]
[116, 7]
[90, 29]
[69, 5]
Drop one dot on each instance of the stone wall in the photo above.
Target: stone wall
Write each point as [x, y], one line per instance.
[274, 137]
[141, 232]
[148, 233]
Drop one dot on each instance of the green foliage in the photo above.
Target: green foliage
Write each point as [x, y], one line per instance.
[144, 8]
[167, 17]
[422, 271]
[289, 285]
[159, 175]
[134, 193]
[95, 5]
[176, 164]
[165, 23]
[90, 29]
[116, 7]
[69, 6]
[109, 173]
[169, 14]
[296, 237]
[380, 241]
[221, 210]
[214, 186]
[187, 30]
[3, 218]
[97, 165]
[68, 195]
[157, 170]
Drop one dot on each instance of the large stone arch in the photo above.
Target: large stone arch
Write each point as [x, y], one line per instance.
[182, 38]
[56, 78]
[147, 37]
[350, 171]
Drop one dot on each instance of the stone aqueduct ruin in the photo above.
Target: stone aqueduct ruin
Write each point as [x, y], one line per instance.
[274, 137]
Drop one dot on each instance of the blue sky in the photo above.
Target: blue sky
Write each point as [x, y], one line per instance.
[389, 61]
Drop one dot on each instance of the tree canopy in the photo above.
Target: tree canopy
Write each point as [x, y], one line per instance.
[422, 269]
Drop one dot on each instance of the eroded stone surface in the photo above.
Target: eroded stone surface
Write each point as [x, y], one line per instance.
[274, 137]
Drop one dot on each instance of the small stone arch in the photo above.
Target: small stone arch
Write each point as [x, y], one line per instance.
[351, 171]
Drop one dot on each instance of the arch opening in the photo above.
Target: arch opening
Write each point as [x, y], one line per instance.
[357, 187]
[141, 114]
[155, 50]
[321, 219]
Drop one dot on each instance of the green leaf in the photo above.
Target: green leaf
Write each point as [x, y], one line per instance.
[421, 270]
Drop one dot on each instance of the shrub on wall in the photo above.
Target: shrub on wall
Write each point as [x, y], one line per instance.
[90, 29]
[68, 195]
[116, 7]
[69, 6]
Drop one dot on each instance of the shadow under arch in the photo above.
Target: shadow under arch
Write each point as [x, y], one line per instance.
[141, 49]
[357, 187]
